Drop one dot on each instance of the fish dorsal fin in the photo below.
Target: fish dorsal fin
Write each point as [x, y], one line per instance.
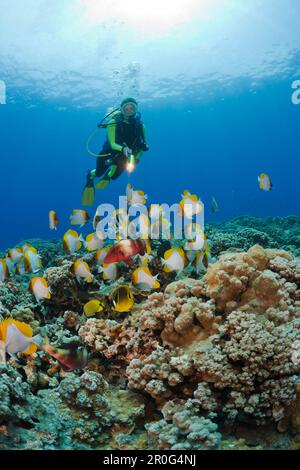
[25, 329]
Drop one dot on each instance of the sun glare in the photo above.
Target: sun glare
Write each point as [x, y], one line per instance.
[149, 16]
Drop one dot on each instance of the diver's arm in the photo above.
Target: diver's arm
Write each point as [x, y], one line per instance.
[111, 135]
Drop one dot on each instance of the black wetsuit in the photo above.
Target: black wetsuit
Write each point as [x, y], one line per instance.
[121, 132]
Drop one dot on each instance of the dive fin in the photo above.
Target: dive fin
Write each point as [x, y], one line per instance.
[102, 184]
[104, 181]
[88, 194]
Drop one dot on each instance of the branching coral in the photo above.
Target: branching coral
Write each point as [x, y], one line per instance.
[183, 428]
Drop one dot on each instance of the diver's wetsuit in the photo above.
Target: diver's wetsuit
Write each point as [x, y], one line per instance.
[121, 132]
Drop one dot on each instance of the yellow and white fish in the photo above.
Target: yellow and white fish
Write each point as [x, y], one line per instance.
[100, 255]
[191, 230]
[82, 271]
[174, 260]
[16, 337]
[109, 271]
[122, 298]
[32, 260]
[265, 182]
[25, 247]
[201, 261]
[92, 307]
[20, 268]
[203, 257]
[79, 217]
[118, 225]
[161, 229]
[155, 212]
[195, 237]
[190, 204]
[3, 271]
[143, 279]
[39, 288]
[96, 220]
[10, 265]
[71, 242]
[144, 260]
[139, 227]
[135, 196]
[93, 242]
[53, 220]
[15, 254]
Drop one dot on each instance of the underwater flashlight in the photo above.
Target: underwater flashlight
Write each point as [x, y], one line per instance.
[130, 164]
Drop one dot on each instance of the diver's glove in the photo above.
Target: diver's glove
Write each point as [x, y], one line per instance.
[126, 151]
[145, 147]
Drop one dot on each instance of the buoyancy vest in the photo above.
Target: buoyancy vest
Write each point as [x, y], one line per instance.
[130, 131]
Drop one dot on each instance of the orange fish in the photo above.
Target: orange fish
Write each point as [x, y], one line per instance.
[124, 250]
[70, 358]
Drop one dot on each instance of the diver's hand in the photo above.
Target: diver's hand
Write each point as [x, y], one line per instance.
[126, 151]
[145, 147]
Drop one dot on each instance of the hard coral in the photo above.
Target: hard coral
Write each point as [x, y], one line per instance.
[183, 428]
[241, 359]
[96, 407]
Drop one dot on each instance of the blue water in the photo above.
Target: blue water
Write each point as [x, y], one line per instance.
[217, 145]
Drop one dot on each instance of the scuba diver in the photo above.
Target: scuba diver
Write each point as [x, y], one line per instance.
[124, 145]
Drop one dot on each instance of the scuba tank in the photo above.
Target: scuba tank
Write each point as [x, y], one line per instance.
[101, 125]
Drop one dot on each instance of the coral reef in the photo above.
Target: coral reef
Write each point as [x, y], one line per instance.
[204, 362]
[183, 429]
[95, 406]
[243, 232]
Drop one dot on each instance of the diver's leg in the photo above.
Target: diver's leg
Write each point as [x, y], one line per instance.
[108, 175]
[121, 165]
[101, 167]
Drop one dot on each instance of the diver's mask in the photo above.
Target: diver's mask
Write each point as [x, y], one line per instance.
[129, 109]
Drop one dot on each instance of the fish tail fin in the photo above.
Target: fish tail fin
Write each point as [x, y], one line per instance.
[38, 340]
